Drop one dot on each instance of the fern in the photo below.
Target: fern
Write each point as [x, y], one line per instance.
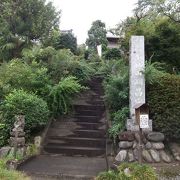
[61, 95]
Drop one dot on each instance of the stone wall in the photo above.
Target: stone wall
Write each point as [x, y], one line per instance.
[153, 149]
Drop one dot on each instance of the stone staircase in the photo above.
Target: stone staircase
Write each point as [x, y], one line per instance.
[83, 133]
[75, 146]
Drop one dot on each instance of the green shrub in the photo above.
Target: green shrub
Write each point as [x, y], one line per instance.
[136, 171]
[117, 91]
[2, 136]
[113, 53]
[118, 122]
[129, 171]
[34, 108]
[164, 100]
[19, 75]
[61, 95]
[109, 175]
[64, 63]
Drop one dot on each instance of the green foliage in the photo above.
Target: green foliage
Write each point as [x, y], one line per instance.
[66, 41]
[117, 91]
[31, 150]
[64, 63]
[61, 95]
[113, 53]
[97, 35]
[20, 27]
[116, 88]
[163, 98]
[153, 71]
[135, 172]
[162, 38]
[19, 75]
[2, 136]
[12, 175]
[6, 174]
[34, 108]
[118, 122]
[109, 175]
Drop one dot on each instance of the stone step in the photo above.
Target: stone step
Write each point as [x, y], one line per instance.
[88, 113]
[92, 119]
[95, 102]
[89, 107]
[71, 150]
[76, 141]
[88, 133]
[92, 126]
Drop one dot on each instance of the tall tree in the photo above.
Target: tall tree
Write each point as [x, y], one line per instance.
[66, 41]
[25, 21]
[97, 35]
[169, 8]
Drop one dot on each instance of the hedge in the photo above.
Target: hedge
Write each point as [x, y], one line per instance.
[164, 100]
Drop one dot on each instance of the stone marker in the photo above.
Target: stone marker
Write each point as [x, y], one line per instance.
[137, 80]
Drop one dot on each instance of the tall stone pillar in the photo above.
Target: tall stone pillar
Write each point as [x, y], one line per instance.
[136, 78]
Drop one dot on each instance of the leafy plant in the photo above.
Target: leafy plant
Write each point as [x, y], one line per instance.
[118, 122]
[109, 175]
[19, 75]
[61, 95]
[153, 71]
[129, 171]
[34, 108]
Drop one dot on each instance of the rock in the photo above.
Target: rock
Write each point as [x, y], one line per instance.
[175, 149]
[164, 156]
[121, 156]
[130, 156]
[158, 145]
[37, 141]
[12, 164]
[146, 156]
[127, 172]
[126, 136]
[4, 151]
[155, 155]
[137, 136]
[148, 145]
[155, 136]
[20, 141]
[144, 140]
[135, 152]
[125, 144]
[134, 144]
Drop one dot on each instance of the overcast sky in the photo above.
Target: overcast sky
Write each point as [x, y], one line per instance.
[79, 14]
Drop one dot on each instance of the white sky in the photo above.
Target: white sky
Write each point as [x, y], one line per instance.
[79, 14]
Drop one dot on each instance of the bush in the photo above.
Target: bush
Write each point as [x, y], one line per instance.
[163, 98]
[129, 171]
[113, 53]
[64, 63]
[34, 108]
[61, 95]
[19, 75]
[117, 91]
[118, 122]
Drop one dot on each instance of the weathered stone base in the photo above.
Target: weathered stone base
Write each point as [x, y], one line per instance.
[152, 148]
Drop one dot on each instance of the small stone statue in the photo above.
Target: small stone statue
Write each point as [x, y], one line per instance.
[19, 124]
[17, 138]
